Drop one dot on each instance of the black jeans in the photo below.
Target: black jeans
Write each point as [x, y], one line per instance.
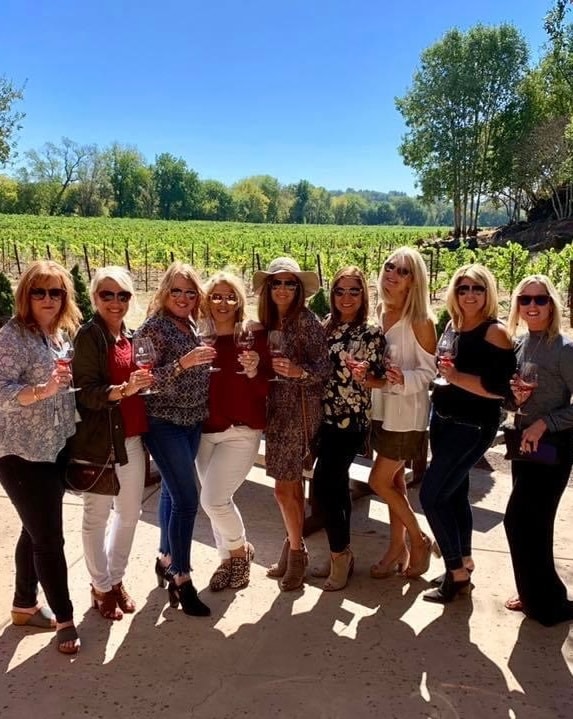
[36, 490]
[336, 450]
[529, 522]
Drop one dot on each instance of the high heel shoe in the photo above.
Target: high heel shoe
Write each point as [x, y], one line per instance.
[162, 573]
[341, 569]
[436, 581]
[186, 595]
[396, 565]
[296, 568]
[106, 604]
[416, 570]
[124, 601]
[449, 590]
[279, 568]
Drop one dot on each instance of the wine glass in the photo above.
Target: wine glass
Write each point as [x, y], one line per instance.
[208, 336]
[354, 356]
[62, 349]
[527, 381]
[144, 357]
[244, 340]
[276, 344]
[390, 356]
[446, 352]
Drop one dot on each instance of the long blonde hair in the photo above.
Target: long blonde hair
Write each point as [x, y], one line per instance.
[235, 283]
[554, 328]
[477, 273]
[157, 304]
[417, 308]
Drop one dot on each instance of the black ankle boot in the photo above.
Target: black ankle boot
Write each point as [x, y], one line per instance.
[448, 590]
[186, 594]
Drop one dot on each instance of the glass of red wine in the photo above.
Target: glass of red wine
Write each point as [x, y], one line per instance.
[208, 335]
[144, 357]
[276, 344]
[527, 381]
[446, 352]
[244, 340]
[62, 349]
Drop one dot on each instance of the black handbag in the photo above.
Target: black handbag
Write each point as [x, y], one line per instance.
[545, 453]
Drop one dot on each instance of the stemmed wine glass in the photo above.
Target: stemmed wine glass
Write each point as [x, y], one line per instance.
[62, 349]
[244, 340]
[527, 381]
[390, 356]
[354, 355]
[446, 352]
[144, 357]
[208, 336]
[276, 344]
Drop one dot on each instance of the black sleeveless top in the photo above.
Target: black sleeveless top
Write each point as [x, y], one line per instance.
[493, 365]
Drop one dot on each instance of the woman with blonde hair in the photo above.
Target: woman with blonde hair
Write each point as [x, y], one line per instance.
[400, 405]
[175, 413]
[232, 433]
[112, 422]
[36, 419]
[545, 425]
[465, 418]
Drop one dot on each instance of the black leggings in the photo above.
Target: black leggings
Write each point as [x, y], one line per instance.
[36, 490]
[337, 449]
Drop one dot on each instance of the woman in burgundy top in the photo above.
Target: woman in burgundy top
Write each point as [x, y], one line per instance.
[112, 421]
[232, 433]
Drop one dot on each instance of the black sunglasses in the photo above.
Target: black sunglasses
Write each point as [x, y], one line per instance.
[352, 291]
[176, 293]
[400, 269]
[539, 300]
[39, 293]
[289, 284]
[108, 296]
[465, 289]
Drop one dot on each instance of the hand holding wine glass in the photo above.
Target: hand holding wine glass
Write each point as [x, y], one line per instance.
[276, 344]
[245, 341]
[525, 382]
[446, 353]
[62, 350]
[208, 336]
[144, 357]
[393, 373]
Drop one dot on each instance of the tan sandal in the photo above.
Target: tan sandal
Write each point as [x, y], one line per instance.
[341, 569]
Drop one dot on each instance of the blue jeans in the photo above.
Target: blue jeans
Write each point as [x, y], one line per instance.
[174, 447]
[444, 495]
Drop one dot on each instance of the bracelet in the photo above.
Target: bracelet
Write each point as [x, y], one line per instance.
[177, 367]
[122, 391]
[35, 392]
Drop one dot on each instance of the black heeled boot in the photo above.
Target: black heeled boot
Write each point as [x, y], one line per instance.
[449, 590]
[186, 595]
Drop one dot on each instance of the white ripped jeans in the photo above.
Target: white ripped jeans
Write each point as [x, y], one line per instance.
[223, 461]
[107, 540]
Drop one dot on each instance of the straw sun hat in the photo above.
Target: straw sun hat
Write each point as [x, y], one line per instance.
[309, 280]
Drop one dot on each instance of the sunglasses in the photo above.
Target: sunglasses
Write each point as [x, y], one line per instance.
[402, 271]
[177, 293]
[352, 291]
[539, 300]
[216, 298]
[108, 296]
[39, 293]
[290, 285]
[465, 289]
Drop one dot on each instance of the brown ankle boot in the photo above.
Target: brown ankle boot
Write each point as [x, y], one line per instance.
[278, 569]
[295, 571]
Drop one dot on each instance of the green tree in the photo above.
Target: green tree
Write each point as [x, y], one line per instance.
[251, 202]
[177, 188]
[129, 178]
[9, 118]
[6, 299]
[8, 194]
[216, 201]
[466, 86]
[299, 208]
[82, 295]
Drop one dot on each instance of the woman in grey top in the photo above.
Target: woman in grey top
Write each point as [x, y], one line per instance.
[37, 416]
[546, 418]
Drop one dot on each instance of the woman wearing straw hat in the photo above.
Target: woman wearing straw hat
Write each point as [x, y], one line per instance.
[294, 406]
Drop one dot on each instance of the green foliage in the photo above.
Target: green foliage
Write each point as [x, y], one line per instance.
[9, 118]
[442, 321]
[319, 303]
[82, 294]
[6, 298]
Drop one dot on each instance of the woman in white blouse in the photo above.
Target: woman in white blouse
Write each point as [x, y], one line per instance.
[401, 405]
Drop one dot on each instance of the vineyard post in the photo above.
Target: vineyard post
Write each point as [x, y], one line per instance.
[147, 266]
[192, 254]
[104, 253]
[172, 257]
[437, 266]
[258, 261]
[431, 273]
[379, 262]
[253, 262]
[319, 266]
[3, 256]
[127, 262]
[364, 262]
[17, 258]
[87, 261]
[207, 256]
[512, 272]
[570, 293]
[305, 252]
[64, 258]
[48, 253]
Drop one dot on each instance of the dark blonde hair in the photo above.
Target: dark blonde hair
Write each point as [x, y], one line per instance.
[68, 318]
[235, 283]
[267, 309]
[354, 273]
[176, 269]
[554, 328]
[477, 273]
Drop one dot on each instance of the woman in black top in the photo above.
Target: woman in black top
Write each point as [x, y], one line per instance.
[547, 419]
[465, 418]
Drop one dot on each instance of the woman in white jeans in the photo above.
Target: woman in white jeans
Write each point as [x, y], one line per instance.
[112, 421]
[232, 433]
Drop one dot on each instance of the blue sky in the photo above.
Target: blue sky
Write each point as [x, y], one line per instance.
[292, 88]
